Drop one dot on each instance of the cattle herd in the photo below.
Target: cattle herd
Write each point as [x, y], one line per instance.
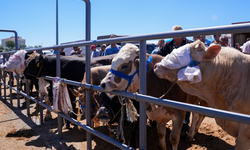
[224, 85]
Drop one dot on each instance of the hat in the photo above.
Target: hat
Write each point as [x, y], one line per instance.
[103, 45]
[92, 46]
[177, 27]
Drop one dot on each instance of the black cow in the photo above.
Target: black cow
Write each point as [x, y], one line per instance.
[110, 112]
[72, 68]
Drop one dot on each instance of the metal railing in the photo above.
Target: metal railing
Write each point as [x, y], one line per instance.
[242, 118]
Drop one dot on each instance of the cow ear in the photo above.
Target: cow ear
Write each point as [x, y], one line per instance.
[137, 63]
[74, 92]
[137, 51]
[212, 52]
[38, 60]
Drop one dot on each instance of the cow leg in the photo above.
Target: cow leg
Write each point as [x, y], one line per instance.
[48, 115]
[161, 130]
[243, 139]
[174, 136]
[193, 131]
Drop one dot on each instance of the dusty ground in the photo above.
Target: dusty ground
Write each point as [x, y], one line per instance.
[18, 132]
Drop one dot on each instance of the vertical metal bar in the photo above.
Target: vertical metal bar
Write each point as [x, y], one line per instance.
[4, 78]
[87, 69]
[58, 70]
[18, 88]
[143, 90]
[27, 99]
[16, 40]
[10, 83]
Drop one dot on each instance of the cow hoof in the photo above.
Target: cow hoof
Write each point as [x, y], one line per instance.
[66, 126]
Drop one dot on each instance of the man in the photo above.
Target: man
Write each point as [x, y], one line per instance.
[112, 48]
[174, 44]
[167, 49]
[224, 40]
[216, 39]
[95, 53]
[74, 51]
[103, 47]
[160, 44]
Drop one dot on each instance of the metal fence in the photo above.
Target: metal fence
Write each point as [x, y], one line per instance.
[242, 118]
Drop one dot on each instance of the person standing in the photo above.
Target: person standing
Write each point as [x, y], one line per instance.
[174, 44]
[95, 52]
[216, 39]
[103, 47]
[167, 49]
[113, 48]
[160, 44]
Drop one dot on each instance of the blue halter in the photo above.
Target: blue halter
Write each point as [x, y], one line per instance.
[129, 78]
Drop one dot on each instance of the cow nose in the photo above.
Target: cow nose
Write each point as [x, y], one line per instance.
[103, 85]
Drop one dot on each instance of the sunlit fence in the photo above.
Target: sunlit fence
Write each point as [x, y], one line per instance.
[142, 97]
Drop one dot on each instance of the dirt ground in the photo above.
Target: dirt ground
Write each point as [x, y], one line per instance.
[18, 132]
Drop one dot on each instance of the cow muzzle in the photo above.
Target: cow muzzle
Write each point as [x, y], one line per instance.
[104, 114]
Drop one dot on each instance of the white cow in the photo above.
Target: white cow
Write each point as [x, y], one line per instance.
[225, 84]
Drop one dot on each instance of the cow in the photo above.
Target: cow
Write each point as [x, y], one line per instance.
[225, 82]
[127, 62]
[72, 68]
[96, 74]
[110, 112]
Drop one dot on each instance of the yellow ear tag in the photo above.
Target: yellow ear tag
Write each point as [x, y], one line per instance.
[38, 64]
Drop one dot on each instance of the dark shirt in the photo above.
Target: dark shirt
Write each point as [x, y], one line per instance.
[169, 46]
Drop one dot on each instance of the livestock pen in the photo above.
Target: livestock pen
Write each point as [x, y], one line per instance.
[142, 97]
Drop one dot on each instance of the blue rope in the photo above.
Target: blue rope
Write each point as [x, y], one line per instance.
[80, 105]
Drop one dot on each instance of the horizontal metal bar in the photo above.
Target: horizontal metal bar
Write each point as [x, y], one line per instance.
[217, 113]
[87, 128]
[239, 28]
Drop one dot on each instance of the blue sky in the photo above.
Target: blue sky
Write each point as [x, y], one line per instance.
[35, 20]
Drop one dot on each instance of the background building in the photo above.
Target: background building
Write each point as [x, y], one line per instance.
[20, 41]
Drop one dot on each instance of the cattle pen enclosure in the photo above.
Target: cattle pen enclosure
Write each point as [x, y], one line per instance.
[27, 133]
[141, 97]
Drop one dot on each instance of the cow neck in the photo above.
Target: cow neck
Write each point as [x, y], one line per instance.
[129, 78]
[37, 76]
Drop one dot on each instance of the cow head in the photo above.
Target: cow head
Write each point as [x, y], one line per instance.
[198, 53]
[123, 62]
[16, 62]
[33, 66]
[110, 108]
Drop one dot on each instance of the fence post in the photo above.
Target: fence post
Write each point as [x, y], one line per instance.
[10, 83]
[87, 70]
[143, 90]
[4, 78]
[18, 88]
[27, 99]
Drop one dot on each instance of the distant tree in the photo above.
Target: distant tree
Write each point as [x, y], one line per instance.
[10, 44]
[22, 46]
[8, 49]
[1, 48]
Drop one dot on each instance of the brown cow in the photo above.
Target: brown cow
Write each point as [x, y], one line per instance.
[225, 84]
[126, 62]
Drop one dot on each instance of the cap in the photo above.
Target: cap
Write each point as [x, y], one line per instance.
[177, 27]
[92, 46]
[103, 45]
